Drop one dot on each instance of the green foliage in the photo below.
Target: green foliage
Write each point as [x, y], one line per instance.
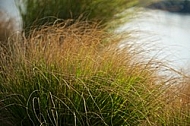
[67, 76]
[39, 12]
[49, 98]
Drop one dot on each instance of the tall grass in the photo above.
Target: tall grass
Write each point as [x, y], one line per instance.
[39, 12]
[70, 75]
[77, 74]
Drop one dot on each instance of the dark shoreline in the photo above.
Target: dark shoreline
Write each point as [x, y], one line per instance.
[172, 6]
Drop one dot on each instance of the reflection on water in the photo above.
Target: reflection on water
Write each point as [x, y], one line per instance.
[168, 31]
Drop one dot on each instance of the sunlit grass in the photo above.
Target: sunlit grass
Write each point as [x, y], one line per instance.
[78, 75]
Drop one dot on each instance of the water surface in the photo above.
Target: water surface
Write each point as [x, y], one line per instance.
[168, 33]
[10, 10]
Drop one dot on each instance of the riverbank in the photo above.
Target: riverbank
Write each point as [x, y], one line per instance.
[172, 6]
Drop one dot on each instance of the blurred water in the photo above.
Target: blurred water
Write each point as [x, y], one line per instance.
[165, 31]
[10, 10]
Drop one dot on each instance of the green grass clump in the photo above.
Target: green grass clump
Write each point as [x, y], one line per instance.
[76, 75]
[39, 12]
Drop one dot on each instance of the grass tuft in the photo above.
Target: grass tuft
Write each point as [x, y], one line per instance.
[78, 75]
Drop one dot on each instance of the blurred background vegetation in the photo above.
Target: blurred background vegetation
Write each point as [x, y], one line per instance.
[40, 12]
